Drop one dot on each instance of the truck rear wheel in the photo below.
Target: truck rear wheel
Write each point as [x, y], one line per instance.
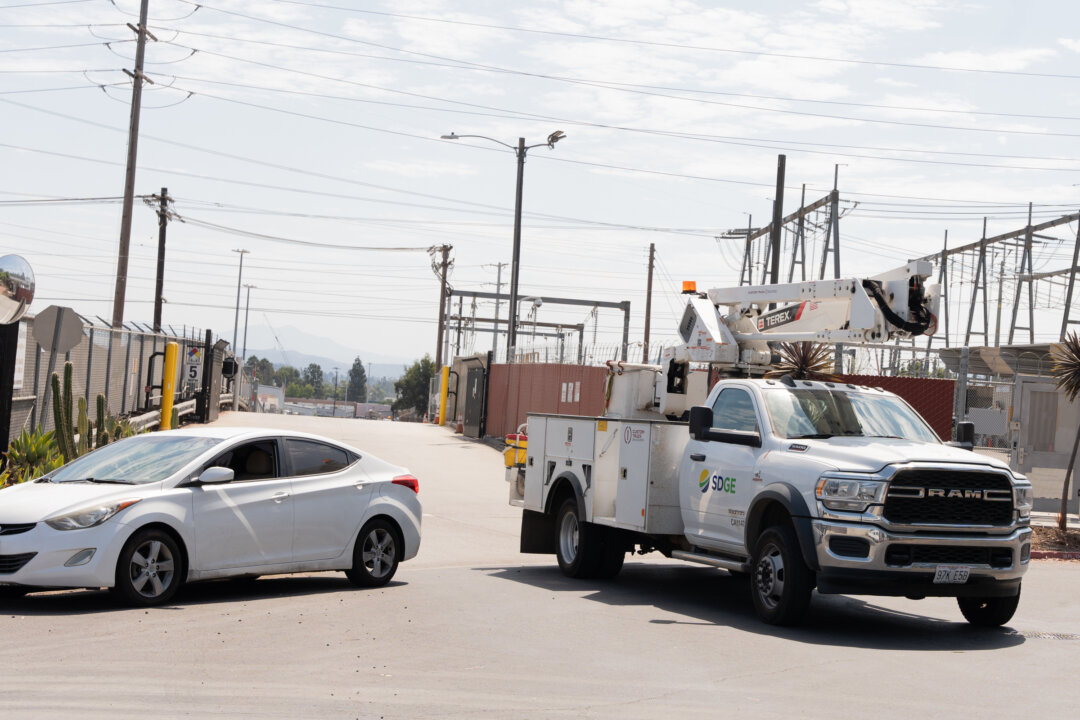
[780, 582]
[579, 545]
[988, 612]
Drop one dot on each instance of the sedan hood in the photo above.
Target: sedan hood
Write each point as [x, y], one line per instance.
[34, 501]
[862, 454]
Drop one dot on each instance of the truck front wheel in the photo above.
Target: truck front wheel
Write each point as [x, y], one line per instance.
[988, 612]
[780, 581]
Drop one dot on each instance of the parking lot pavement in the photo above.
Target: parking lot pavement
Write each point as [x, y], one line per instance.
[471, 628]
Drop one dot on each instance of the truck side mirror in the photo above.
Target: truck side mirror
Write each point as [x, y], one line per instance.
[700, 422]
[965, 435]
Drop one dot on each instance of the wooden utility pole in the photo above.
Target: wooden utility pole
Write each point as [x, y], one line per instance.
[648, 304]
[777, 221]
[445, 250]
[137, 78]
[159, 286]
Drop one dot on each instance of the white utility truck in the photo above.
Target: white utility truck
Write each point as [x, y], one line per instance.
[798, 484]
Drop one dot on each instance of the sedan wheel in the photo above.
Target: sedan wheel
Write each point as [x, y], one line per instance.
[147, 572]
[376, 555]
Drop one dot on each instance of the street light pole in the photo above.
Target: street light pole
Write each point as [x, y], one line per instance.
[515, 261]
[247, 309]
[520, 151]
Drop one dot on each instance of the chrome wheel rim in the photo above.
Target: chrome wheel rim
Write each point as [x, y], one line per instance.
[152, 568]
[568, 537]
[379, 552]
[769, 577]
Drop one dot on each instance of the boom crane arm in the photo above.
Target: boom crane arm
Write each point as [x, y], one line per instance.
[732, 328]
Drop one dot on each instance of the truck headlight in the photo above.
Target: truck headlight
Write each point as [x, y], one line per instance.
[850, 494]
[1023, 496]
[88, 517]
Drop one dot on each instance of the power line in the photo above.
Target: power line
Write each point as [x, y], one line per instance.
[650, 43]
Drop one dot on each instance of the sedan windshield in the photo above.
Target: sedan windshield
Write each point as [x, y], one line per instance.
[820, 413]
[136, 460]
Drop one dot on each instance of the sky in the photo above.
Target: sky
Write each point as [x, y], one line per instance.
[308, 132]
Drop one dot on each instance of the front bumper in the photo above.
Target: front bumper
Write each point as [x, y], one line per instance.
[53, 548]
[892, 564]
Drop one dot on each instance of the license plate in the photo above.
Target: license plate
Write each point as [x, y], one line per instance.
[952, 574]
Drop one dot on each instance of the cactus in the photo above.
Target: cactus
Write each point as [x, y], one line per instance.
[64, 442]
[102, 434]
[69, 420]
[174, 418]
[84, 429]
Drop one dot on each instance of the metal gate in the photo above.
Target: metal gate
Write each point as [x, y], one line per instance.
[475, 391]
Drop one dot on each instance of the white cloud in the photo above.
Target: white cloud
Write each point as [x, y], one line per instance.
[1070, 43]
[1009, 60]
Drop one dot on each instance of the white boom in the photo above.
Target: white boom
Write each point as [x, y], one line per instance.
[731, 329]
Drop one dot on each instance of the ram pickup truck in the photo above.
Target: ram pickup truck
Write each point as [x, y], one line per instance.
[799, 485]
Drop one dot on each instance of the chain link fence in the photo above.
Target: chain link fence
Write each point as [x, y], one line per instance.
[123, 365]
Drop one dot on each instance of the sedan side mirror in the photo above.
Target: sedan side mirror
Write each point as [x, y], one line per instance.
[214, 475]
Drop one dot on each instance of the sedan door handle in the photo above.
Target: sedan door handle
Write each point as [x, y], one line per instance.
[697, 457]
[278, 497]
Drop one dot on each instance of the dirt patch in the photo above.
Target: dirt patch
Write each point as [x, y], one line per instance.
[1050, 538]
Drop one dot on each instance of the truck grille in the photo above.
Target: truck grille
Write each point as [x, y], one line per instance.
[903, 555]
[949, 497]
[13, 563]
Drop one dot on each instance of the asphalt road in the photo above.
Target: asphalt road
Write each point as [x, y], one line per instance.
[471, 628]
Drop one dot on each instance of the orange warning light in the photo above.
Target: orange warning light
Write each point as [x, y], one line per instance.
[689, 286]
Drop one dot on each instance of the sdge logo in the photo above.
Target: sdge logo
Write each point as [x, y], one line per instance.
[716, 481]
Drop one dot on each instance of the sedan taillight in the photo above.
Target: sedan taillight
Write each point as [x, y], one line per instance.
[408, 481]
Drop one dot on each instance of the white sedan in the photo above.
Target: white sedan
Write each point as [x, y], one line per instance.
[143, 515]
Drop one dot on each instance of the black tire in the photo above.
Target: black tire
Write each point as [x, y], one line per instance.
[577, 544]
[780, 582]
[150, 569]
[989, 612]
[376, 555]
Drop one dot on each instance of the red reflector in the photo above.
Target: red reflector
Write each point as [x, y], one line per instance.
[408, 481]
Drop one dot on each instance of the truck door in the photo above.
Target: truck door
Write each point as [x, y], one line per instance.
[718, 484]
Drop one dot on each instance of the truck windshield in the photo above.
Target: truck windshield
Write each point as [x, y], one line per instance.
[820, 413]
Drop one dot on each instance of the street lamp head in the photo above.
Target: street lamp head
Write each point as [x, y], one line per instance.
[555, 137]
[451, 136]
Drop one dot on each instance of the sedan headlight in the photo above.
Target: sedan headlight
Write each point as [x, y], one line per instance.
[1023, 496]
[850, 494]
[88, 517]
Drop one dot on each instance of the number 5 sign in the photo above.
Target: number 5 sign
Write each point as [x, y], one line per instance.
[193, 366]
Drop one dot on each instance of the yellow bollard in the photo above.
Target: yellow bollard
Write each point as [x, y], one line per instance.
[168, 384]
[442, 394]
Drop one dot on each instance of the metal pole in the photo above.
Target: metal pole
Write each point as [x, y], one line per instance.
[238, 379]
[445, 249]
[247, 308]
[498, 291]
[648, 305]
[625, 327]
[836, 222]
[1072, 283]
[159, 287]
[515, 261]
[129, 177]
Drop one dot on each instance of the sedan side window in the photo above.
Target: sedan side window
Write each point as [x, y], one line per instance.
[315, 458]
[251, 461]
[734, 410]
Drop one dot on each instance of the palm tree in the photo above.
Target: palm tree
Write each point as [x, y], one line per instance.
[1066, 372]
[804, 361]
